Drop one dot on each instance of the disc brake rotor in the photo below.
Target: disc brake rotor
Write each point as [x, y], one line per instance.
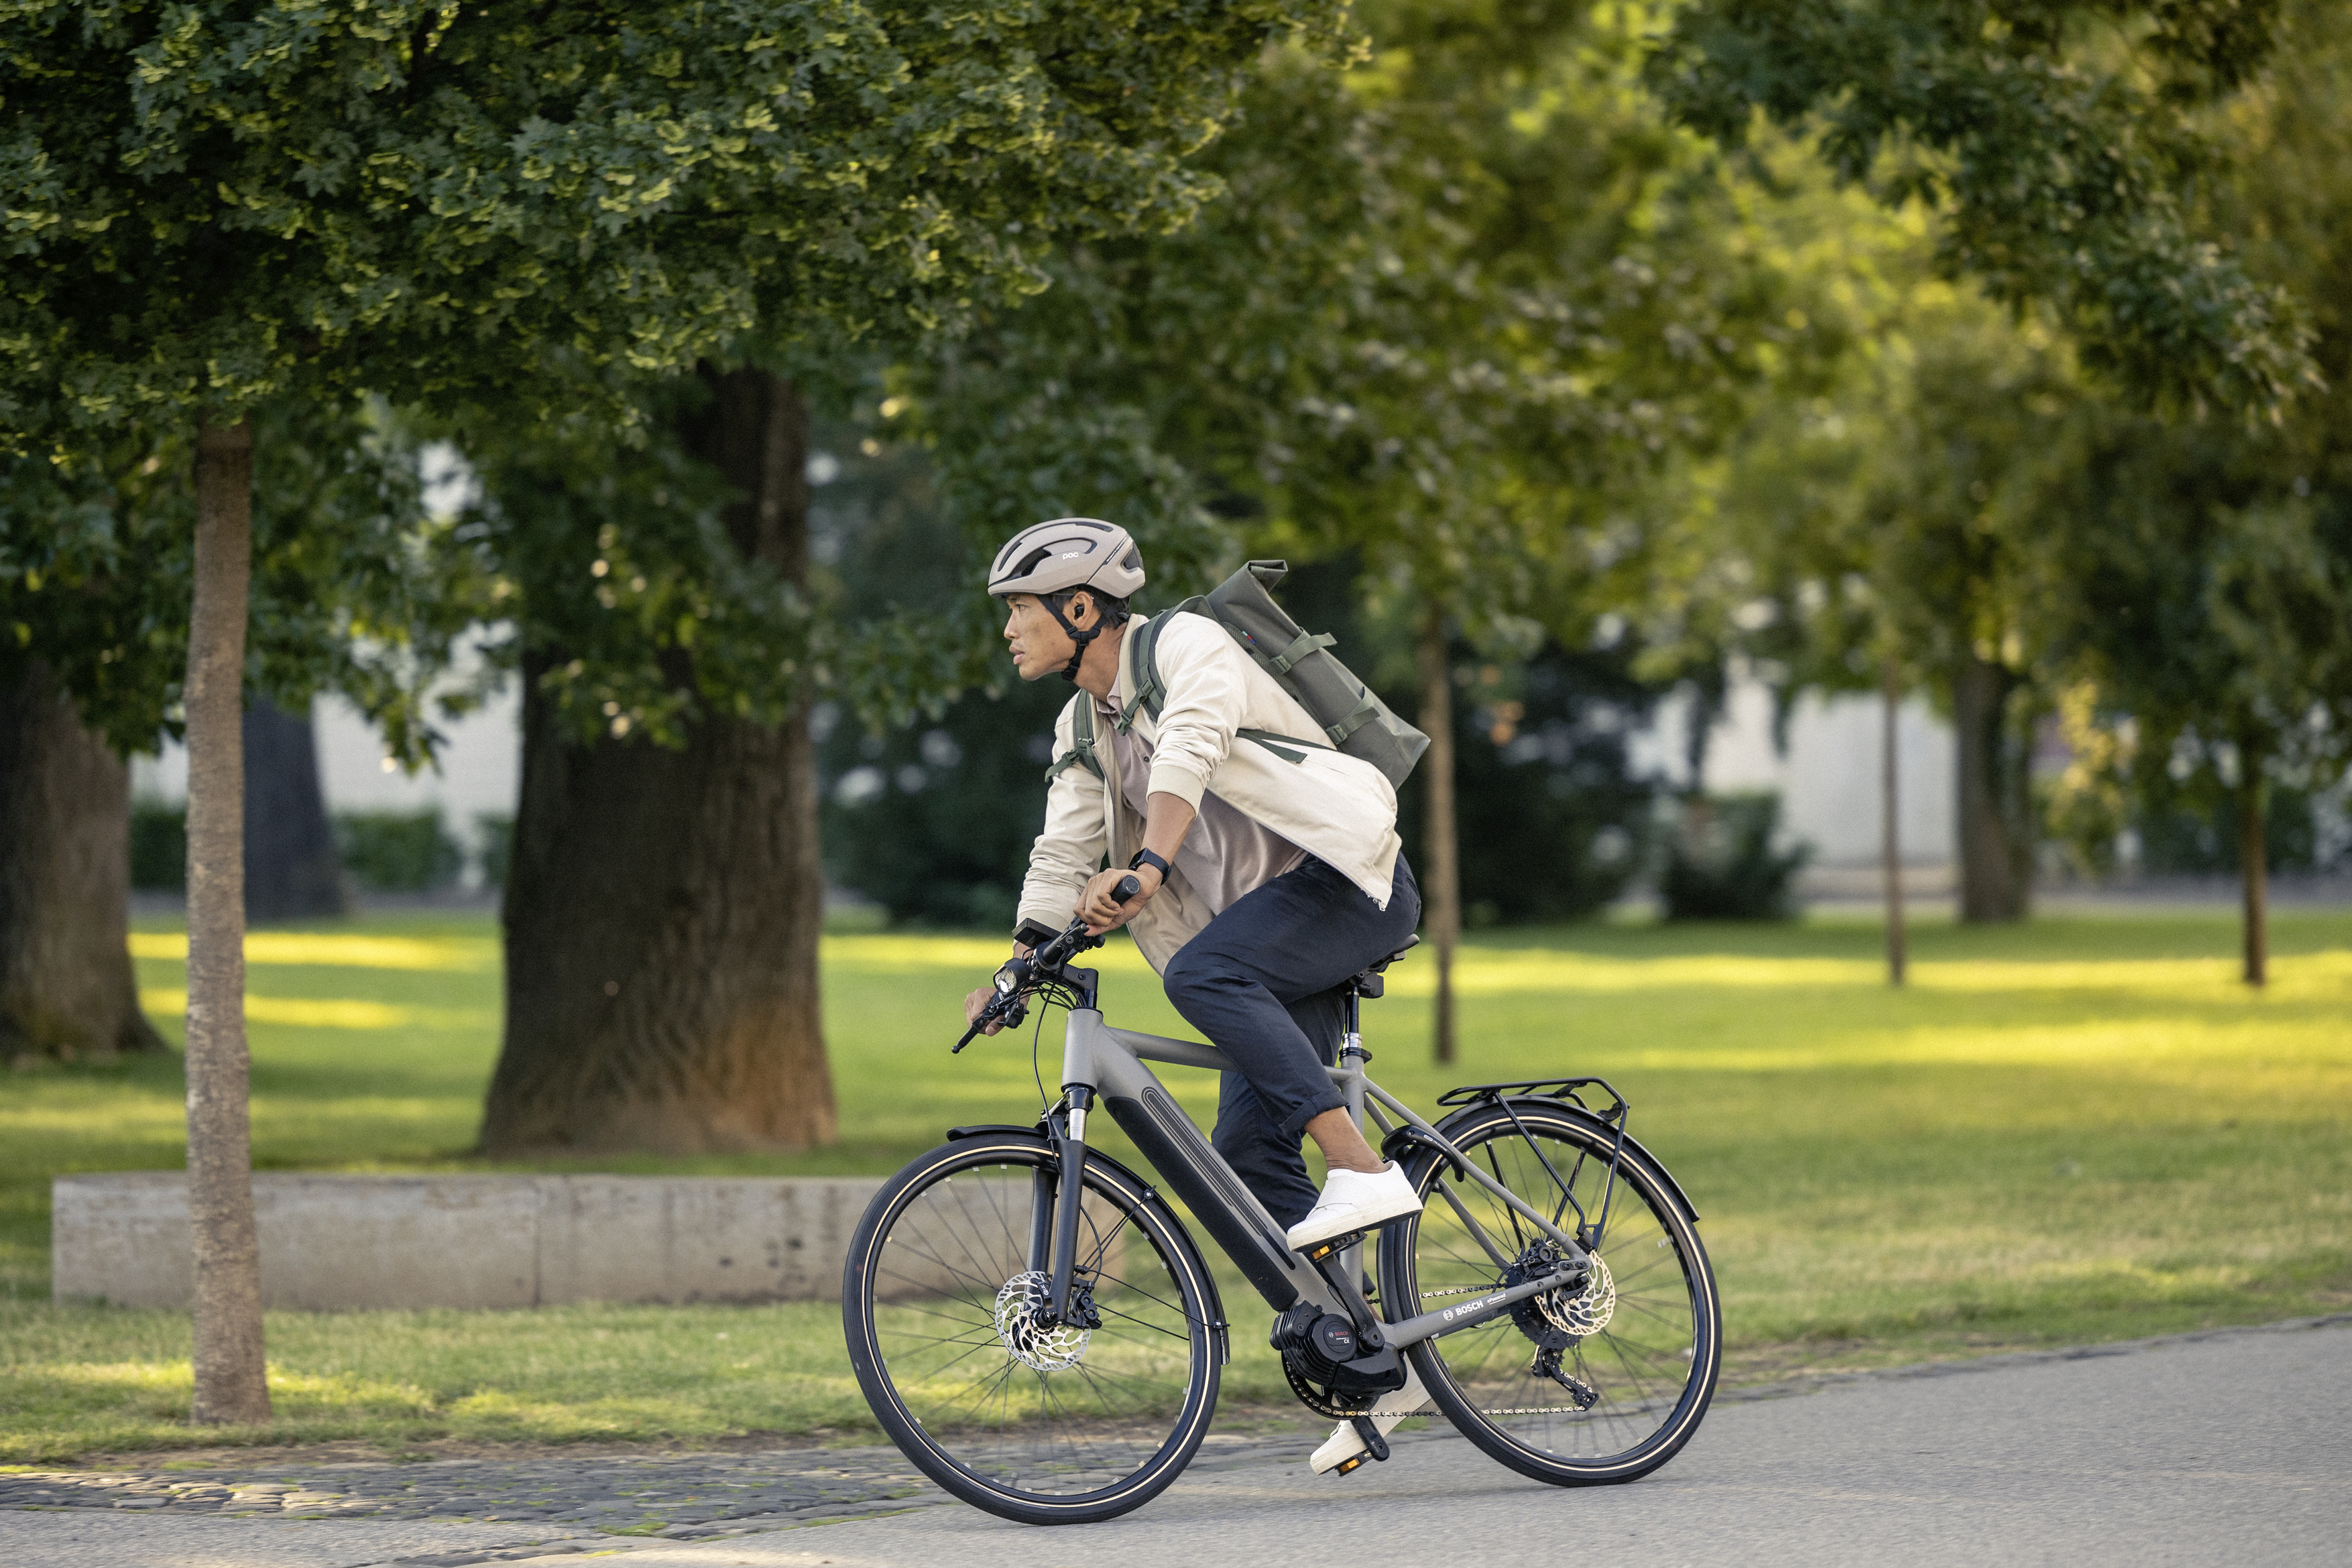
[1557, 1319]
[1588, 1311]
[1036, 1339]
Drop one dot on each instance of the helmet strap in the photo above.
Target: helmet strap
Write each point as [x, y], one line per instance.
[1053, 603]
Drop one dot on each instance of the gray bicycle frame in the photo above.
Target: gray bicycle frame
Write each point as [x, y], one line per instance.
[1099, 1062]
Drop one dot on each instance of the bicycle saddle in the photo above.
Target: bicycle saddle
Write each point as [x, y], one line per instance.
[1367, 982]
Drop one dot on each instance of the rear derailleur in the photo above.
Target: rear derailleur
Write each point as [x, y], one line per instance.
[1558, 1321]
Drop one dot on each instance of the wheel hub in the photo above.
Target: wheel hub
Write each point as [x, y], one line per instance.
[1557, 1319]
[1035, 1337]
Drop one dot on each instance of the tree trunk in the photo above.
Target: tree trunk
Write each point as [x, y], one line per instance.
[1891, 829]
[66, 985]
[232, 1386]
[663, 906]
[1996, 836]
[2253, 865]
[1441, 886]
[291, 870]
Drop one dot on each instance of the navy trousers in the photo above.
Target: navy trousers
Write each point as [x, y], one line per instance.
[1263, 983]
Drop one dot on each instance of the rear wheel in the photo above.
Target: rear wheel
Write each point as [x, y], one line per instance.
[1577, 1387]
[1041, 1421]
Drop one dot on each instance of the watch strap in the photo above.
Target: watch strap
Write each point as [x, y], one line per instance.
[1146, 858]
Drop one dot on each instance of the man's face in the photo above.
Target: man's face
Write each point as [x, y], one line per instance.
[1041, 648]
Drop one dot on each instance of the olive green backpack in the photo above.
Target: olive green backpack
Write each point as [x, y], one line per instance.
[1354, 721]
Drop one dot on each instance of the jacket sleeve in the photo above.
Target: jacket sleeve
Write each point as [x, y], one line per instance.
[1072, 847]
[1206, 675]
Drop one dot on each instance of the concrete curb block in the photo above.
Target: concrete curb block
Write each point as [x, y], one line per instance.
[470, 1241]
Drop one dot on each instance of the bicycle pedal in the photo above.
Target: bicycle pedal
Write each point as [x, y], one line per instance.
[1370, 1431]
[1317, 1251]
[1347, 1466]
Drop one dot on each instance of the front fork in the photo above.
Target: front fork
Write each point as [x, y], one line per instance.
[1059, 1202]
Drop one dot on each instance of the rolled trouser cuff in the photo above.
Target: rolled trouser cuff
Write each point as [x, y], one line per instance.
[1295, 1124]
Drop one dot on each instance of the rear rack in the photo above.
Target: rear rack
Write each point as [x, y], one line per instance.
[1567, 1089]
[1590, 1228]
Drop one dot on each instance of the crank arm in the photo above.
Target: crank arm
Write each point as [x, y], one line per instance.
[1470, 1314]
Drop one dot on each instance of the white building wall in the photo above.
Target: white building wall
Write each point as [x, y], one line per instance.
[1828, 777]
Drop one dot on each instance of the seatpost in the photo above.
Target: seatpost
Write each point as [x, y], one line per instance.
[1353, 1054]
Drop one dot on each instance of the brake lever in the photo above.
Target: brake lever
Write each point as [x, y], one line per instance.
[1007, 1007]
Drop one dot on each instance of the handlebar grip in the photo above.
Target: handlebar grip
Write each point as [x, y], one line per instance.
[1127, 888]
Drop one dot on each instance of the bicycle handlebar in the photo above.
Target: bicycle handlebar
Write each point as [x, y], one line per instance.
[1007, 1005]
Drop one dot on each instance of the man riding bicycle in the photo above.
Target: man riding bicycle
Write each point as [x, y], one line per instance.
[1268, 877]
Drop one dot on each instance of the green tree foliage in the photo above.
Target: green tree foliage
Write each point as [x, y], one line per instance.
[214, 203]
[1452, 294]
[2200, 578]
[356, 590]
[2062, 139]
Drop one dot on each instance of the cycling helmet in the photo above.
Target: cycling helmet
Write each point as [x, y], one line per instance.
[1067, 553]
[1055, 560]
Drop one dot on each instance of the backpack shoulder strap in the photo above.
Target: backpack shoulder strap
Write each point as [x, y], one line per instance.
[1150, 691]
[1082, 743]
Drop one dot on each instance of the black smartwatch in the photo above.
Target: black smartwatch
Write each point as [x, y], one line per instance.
[1146, 858]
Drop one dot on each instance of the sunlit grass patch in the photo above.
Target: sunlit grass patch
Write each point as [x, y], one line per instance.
[342, 1012]
[465, 955]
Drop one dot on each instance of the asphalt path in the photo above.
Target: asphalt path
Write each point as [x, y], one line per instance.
[2232, 1448]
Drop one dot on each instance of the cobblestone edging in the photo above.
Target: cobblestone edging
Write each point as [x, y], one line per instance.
[670, 1495]
[675, 1496]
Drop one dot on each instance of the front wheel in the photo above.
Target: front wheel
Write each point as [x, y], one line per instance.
[1579, 1387]
[944, 1304]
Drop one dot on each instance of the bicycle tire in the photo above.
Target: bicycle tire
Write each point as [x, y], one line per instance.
[1010, 1418]
[1650, 1356]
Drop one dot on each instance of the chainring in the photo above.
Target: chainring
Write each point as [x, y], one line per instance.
[1320, 1400]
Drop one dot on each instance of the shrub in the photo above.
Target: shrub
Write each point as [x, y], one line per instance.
[159, 847]
[494, 836]
[1721, 865]
[2182, 836]
[398, 852]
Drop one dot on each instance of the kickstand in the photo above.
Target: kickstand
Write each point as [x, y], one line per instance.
[1370, 1431]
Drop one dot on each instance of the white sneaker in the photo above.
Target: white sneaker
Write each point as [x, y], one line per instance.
[1346, 1443]
[1356, 1200]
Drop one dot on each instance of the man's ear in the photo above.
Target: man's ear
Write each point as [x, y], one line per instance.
[1081, 604]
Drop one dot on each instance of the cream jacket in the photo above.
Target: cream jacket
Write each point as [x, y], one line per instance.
[1338, 808]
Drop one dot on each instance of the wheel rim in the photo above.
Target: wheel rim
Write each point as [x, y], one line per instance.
[1651, 1345]
[1033, 1410]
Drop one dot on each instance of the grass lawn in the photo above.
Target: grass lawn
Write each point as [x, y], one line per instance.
[2078, 1130]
